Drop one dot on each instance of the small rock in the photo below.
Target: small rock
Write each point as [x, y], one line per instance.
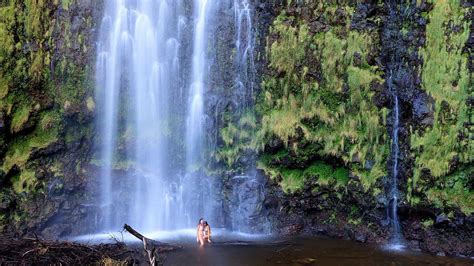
[441, 220]
[305, 261]
[385, 222]
[361, 238]
[459, 221]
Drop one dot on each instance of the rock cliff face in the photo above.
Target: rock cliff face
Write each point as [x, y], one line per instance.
[325, 120]
[313, 140]
[47, 110]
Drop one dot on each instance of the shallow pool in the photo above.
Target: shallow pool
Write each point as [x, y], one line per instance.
[234, 248]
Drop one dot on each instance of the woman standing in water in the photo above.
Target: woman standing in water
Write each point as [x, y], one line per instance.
[207, 232]
[200, 232]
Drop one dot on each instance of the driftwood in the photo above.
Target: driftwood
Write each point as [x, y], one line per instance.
[151, 247]
[133, 232]
[150, 251]
[37, 251]
[161, 246]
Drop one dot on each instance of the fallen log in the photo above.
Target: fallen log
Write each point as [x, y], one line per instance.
[156, 246]
[161, 246]
[151, 252]
[136, 234]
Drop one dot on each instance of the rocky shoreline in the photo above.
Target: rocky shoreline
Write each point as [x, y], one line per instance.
[323, 213]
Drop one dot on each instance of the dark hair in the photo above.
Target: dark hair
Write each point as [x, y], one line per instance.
[200, 219]
[205, 223]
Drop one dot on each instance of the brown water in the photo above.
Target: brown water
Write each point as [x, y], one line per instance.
[302, 251]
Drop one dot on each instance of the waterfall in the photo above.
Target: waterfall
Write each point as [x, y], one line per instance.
[137, 67]
[108, 82]
[397, 238]
[197, 195]
[244, 59]
[247, 190]
[395, 223]
[195, 117]
[151, 112]
[153, 75]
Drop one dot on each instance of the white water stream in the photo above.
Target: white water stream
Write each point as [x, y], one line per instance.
[153, 71]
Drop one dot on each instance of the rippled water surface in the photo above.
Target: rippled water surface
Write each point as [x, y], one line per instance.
[231, 248]
[303, 251]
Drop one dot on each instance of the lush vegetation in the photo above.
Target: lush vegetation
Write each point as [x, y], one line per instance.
[41, 85]
[25, 34]
[316, 113]
[447, 80]
[317, 101]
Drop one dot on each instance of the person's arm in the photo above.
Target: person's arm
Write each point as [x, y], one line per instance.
[209, 234]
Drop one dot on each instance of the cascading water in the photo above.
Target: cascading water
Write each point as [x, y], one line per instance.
[244, 55]
[247, 189]
[108, 82]
[197, 194]
[397, 238]
[195, 119]
[151, 102]
[138, 62]
[395, 51]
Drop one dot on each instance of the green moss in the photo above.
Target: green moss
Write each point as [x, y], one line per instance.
[427, 223]
[21, 148]
[20, 117]
[289, 50]
[321, 171]
[3, 87]
[239, 137]
[446, 78]
[66, 3]
[77, 133]
[454, 191]
[292, 180]
[90, 104]
[18, 154]
[7, 22]
[341, 175]
[49, 119]
[28, 47]
[335, 114]
[327, 175]
[24, 182]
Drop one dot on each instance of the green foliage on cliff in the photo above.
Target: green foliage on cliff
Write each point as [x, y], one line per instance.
[20, 117]
[336, 112]
[239, 138]
[293, 180]
[20, 149]
[25, 34]
[34, 90]
[453, 191]
[447, 80]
